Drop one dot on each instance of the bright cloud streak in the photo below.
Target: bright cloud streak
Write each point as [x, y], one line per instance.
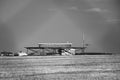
[97, 10]
[105, 8]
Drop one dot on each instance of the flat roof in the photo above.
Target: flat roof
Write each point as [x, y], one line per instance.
[55, 47]
[54, 43]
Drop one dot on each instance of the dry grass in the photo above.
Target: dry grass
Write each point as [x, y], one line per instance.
[80, 67]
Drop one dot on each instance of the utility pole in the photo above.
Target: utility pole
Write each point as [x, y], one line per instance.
[83, 43]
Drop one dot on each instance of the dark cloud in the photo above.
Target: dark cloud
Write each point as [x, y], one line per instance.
[111, 40]
[7, 38]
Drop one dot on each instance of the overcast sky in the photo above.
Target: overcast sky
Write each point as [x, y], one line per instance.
[29, 22]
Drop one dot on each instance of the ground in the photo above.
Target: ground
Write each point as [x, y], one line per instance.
[77, 67]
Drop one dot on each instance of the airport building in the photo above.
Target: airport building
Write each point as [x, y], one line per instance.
[54, 49]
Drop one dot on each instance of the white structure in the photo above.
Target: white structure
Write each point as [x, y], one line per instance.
[69, 52]
[66, 54]
[22, 53]
[72, 51]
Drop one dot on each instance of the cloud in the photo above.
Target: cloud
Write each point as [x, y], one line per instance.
[113, 20]
[52, 9]
[71, 0]
[96, 10]
[107, 14]
[73, 8]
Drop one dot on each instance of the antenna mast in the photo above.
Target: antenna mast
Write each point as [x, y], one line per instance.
[83, 42]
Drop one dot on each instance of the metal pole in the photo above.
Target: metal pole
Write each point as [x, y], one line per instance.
[83, 42]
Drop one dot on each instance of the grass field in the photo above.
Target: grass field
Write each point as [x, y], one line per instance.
[79, 67]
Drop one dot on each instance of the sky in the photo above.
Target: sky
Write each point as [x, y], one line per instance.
[26, 23]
